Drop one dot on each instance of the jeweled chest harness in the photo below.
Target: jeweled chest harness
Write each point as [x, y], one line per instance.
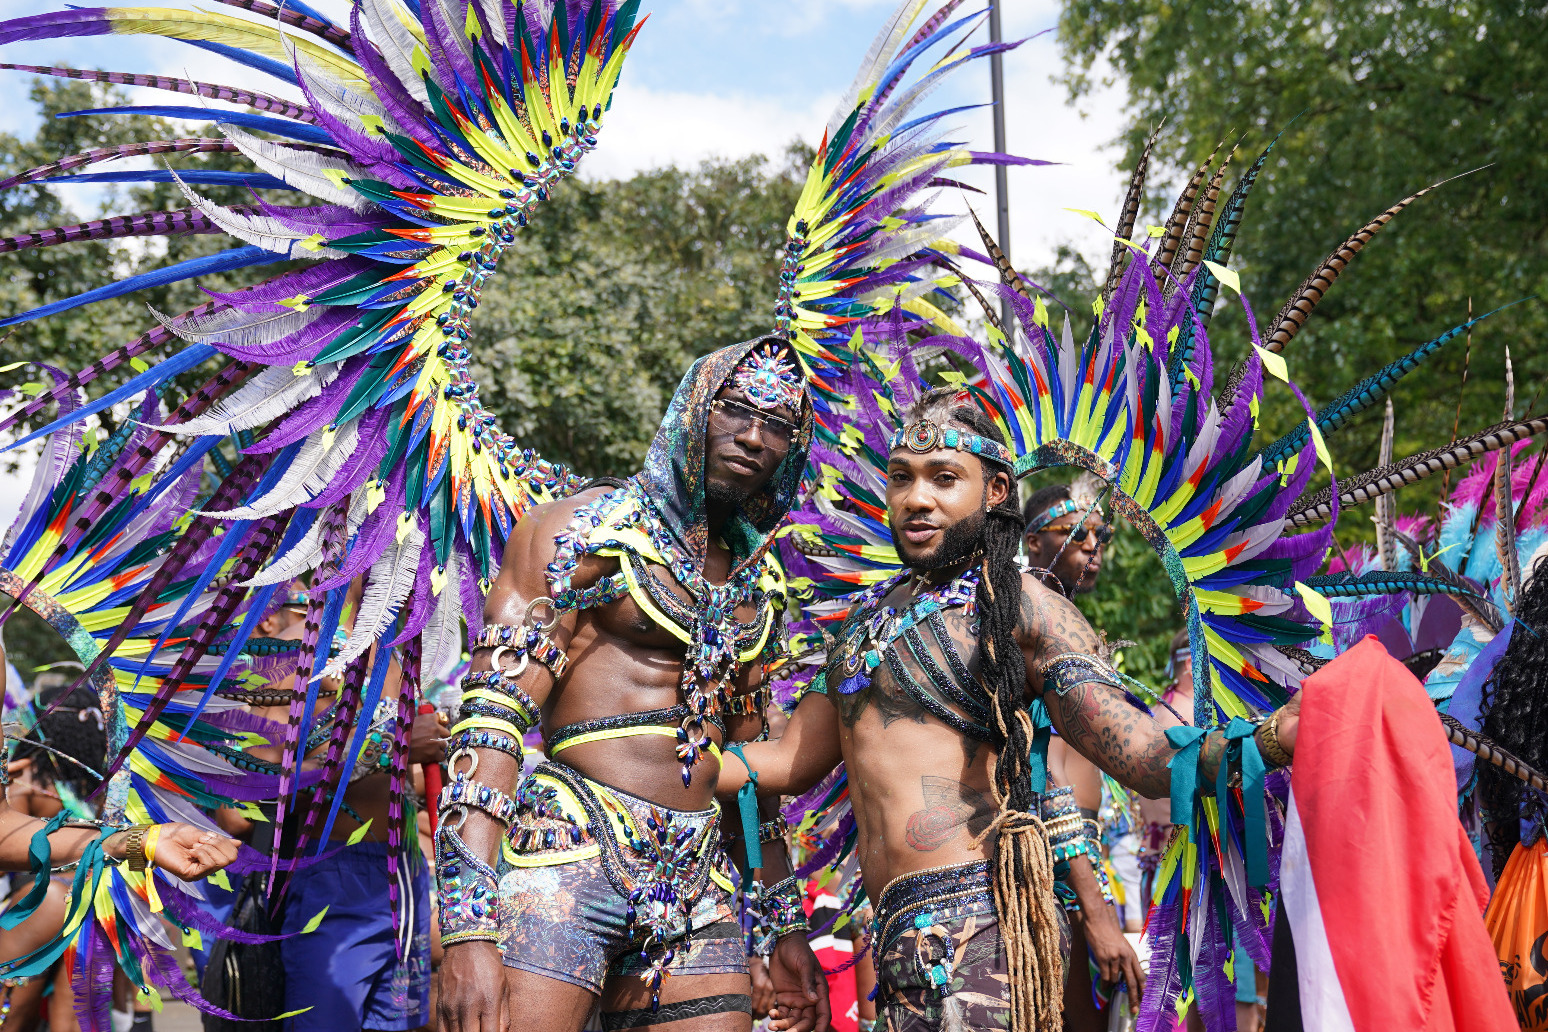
[901, 639]
[715, 637]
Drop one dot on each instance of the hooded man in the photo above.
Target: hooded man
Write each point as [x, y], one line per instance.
[630, 618]
[921, 699]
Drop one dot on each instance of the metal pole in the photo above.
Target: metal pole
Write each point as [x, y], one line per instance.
[1001, 190]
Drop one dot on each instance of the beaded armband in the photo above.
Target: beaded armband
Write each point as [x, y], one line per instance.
[469, 892]
[780, 912]
[498, 682]
[523, 642]
[492, 801]
[773, 830]
[482, 738]
[1068, 669]
[1072, 834]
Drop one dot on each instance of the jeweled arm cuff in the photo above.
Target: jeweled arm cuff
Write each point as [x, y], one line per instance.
[466, 793]
[469, 893]
[780, 911]
[1067, 669]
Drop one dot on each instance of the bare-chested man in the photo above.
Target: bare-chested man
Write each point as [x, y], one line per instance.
[925, 671]
[631, 619]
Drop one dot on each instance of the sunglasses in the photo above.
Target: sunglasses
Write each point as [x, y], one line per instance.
[733, 417]
[1104, 533]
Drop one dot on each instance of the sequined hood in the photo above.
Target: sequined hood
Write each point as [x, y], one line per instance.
[672, 482]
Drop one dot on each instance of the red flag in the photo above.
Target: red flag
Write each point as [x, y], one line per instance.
[1380, 885]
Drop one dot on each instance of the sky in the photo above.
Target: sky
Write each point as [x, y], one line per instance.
[730, 78]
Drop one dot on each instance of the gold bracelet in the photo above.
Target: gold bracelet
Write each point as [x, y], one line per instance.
[1268, 742]
[134, 848]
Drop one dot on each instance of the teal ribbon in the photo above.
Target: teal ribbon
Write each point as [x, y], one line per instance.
[82, 897]
[39, 857]
[1037, 758]
[747, 803]
[1188, 741]
[1242, 754]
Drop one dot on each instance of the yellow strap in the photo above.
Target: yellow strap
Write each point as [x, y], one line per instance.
[516, 859]
[488, 723]
[623, 732]
[499, 698]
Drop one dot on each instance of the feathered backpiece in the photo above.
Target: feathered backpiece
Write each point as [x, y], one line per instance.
[864, 252]
[340, 437]
[1133, 402]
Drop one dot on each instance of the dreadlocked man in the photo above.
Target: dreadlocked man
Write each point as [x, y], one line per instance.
[925, 698]
[630, 617]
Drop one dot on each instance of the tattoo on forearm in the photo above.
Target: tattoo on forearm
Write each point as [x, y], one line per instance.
[949, 806]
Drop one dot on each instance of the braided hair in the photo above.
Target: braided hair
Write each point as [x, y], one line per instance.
[1023, 863]
[75, 735]
[1515, 707]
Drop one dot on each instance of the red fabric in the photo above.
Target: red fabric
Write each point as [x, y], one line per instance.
[1398, 886]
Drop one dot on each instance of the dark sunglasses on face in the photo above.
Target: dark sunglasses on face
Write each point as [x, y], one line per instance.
[734, 418]
[1104, 533]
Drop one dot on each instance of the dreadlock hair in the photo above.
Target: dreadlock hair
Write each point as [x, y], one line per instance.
[1024, 882]
[1515, 708]
[75, 736]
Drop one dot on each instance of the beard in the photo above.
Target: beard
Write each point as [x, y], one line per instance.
[958, 541]
[721, 495]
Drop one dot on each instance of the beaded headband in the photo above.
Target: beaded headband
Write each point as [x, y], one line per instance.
[768, 378]
[925, 436]
[1053, 512]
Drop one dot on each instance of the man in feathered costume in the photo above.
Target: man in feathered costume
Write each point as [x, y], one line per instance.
[632, 617]
[1065, 531]
[924, 699]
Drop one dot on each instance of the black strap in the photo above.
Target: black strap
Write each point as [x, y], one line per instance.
[682, 1010]
[649, 718]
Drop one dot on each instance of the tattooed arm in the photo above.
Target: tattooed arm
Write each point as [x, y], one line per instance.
[1094, 718]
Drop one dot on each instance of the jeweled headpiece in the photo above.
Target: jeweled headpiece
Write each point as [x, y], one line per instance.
[924, 435]
[769, 378]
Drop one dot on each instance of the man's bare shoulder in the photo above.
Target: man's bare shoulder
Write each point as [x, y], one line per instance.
[1050, 622]
[531, 544]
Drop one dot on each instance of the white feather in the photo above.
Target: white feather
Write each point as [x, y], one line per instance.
[396, 44]
[263, 231]
[273, 392]
[303, 556]
[391, 580]
[877, 58]
[301, 169]
[236, 326]
[314, 467]
[441, 640]
[494, 17]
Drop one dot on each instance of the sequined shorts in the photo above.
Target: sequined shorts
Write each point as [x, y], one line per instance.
[940, 961]
[600, 883]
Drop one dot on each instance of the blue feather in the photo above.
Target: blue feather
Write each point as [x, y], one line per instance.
[225, 261]
[252, 180]
[181, 362]
[266, 123]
